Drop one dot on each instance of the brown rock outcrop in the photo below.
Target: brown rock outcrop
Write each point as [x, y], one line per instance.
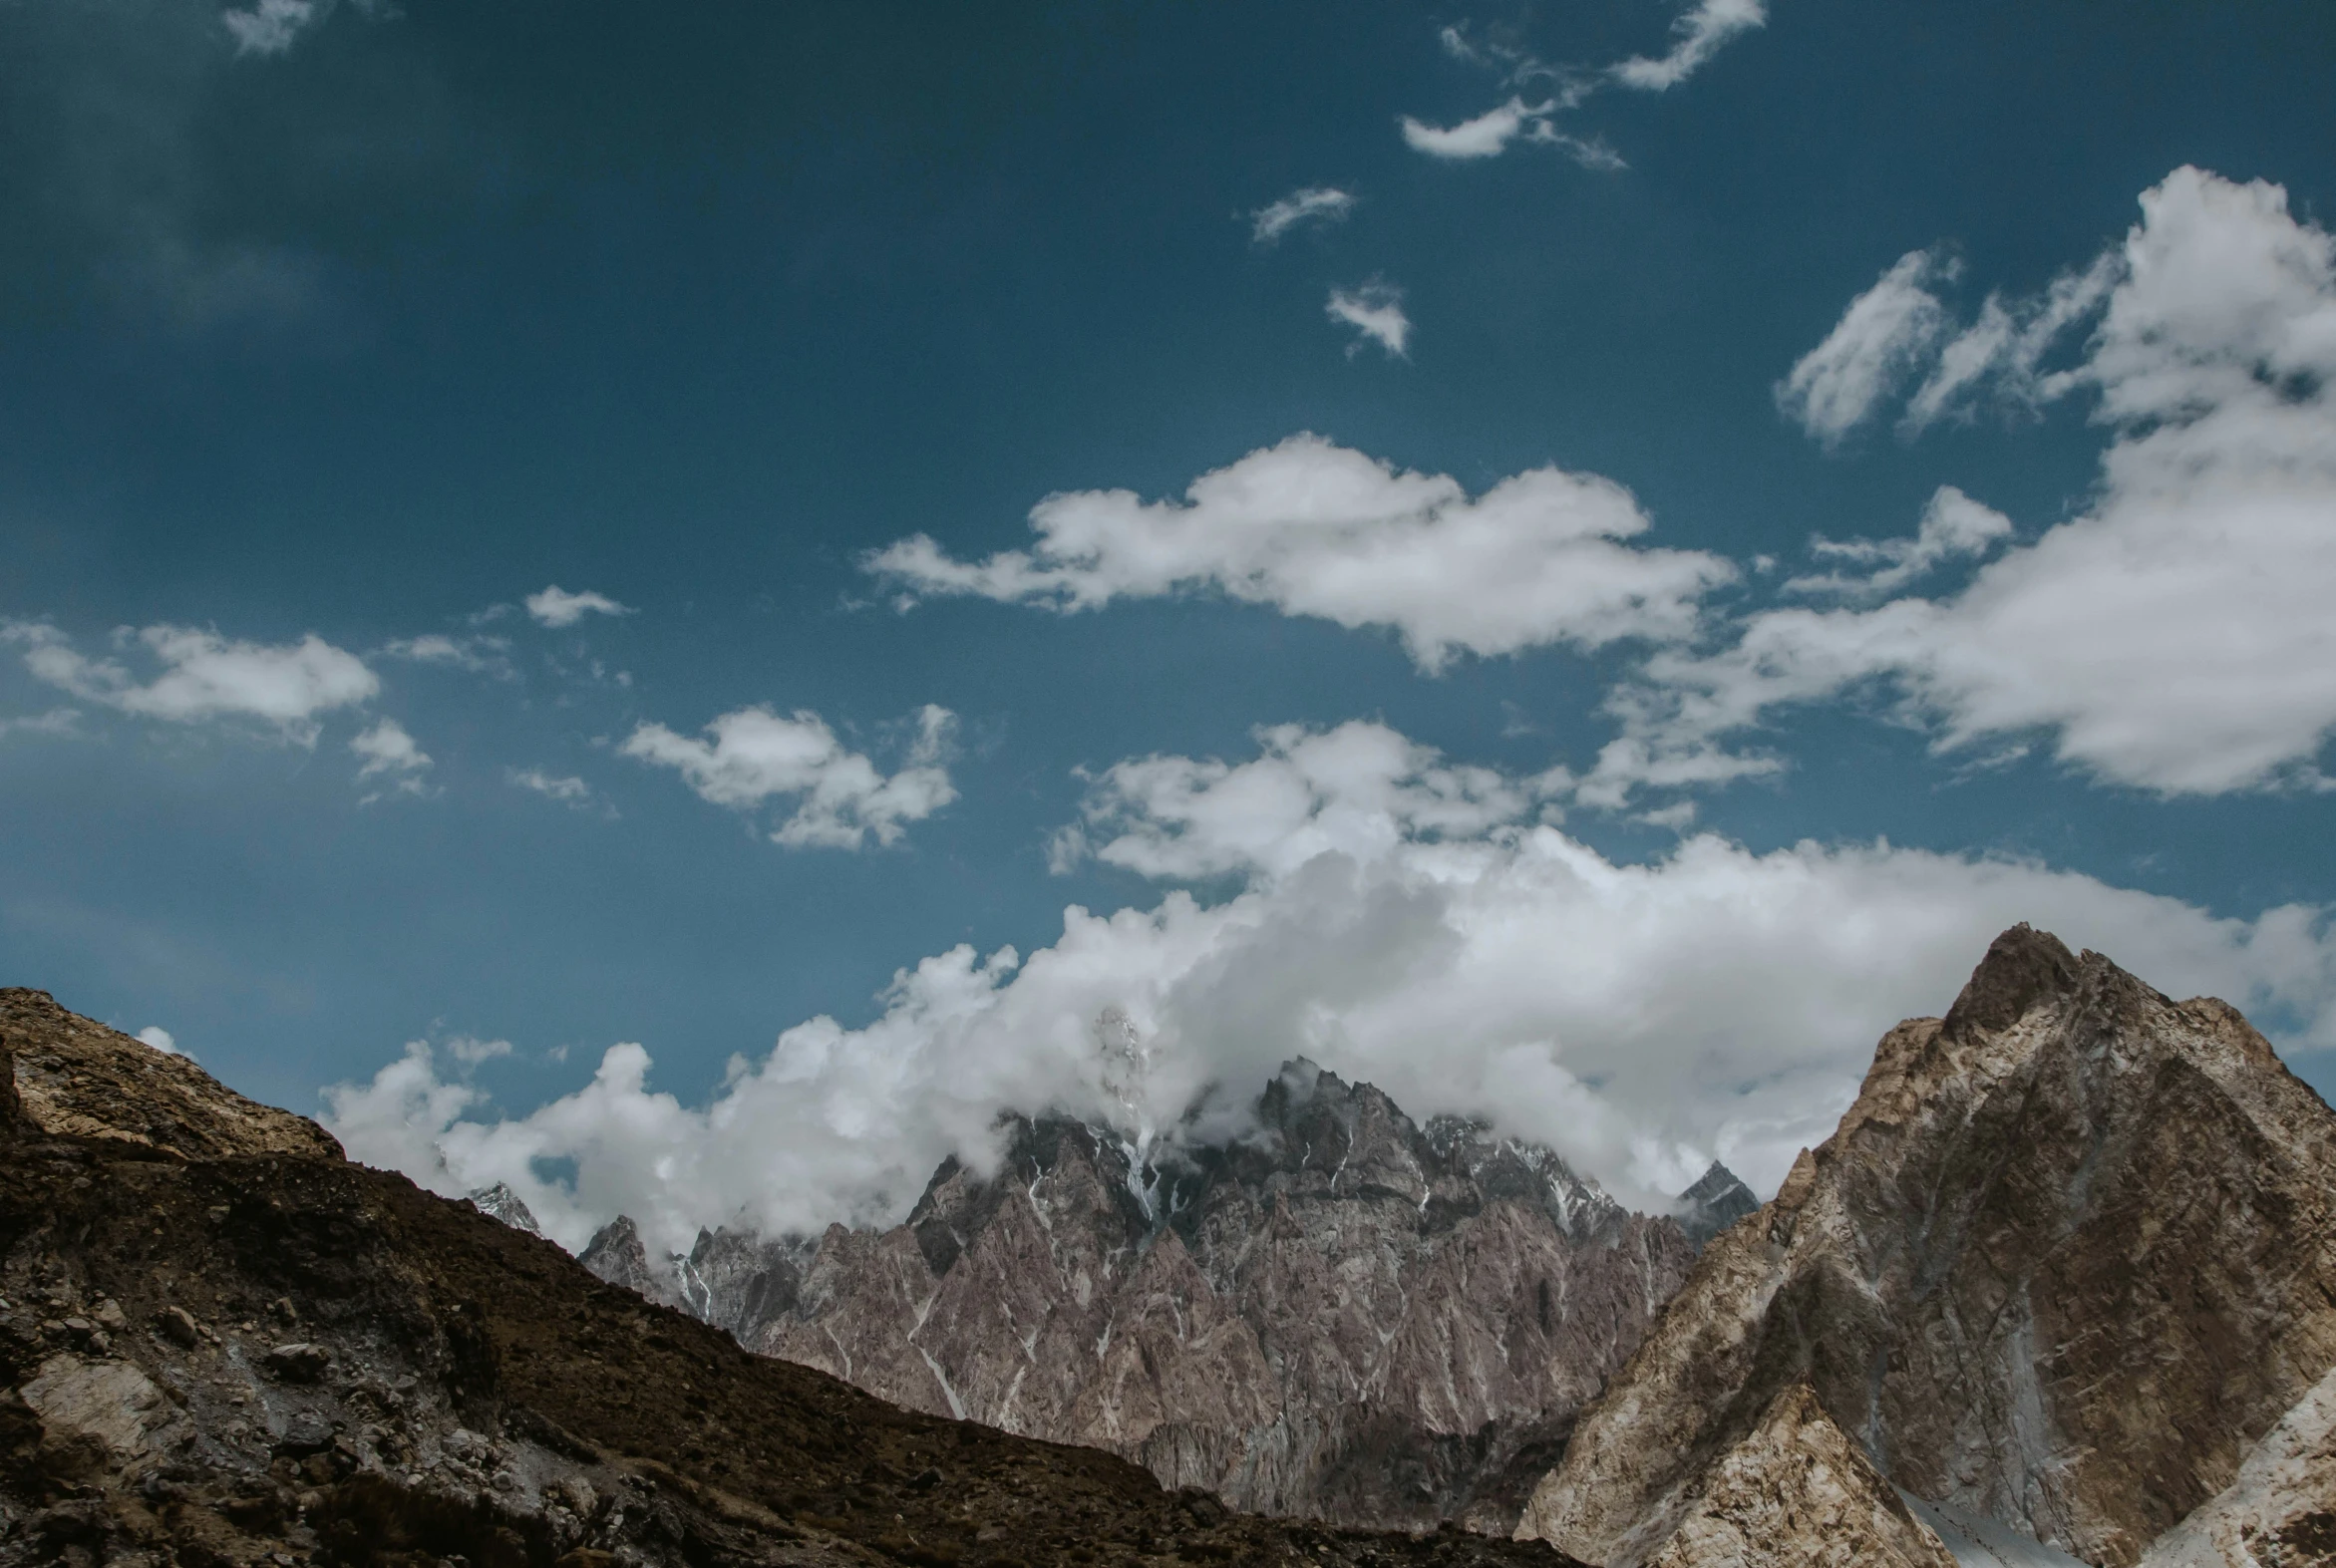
[1796, 1490]
[1341, 1315]
[74, 1077]
[2067, 1260]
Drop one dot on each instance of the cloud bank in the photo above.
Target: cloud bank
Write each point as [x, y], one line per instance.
[1313, 528]
[1399, 918]
[842, 798]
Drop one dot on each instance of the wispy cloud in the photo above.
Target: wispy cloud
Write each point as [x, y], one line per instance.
[1700, 34]
[1871, 351]
[556, 607]
[566, 789]
[1374, 310]
[478, 654]
[1486, 135]
[1311, 204]
[270, 27]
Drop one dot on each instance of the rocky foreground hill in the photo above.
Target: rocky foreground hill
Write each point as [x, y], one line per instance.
[2065, 1274]
[1338, 1314]
[221, 1344]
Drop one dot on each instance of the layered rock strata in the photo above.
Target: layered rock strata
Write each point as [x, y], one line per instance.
[2067, 1262]
[222, 1344]
[1342, 1316]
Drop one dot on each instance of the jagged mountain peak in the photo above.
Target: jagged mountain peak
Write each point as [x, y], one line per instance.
[500, 1202]
[2069, 1256]
[1717, 1200]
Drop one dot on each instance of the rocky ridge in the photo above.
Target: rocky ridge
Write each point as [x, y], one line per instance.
[2068, 1266]
[221, 1344]
[1342, 1316]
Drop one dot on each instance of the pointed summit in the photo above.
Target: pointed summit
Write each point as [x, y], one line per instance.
[2022, 967]
[1717, 1200]
[500, 1202]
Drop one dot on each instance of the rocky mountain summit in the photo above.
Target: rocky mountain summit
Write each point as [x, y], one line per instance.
[221, 1343]
[2065, 1274]
[1342, 1315]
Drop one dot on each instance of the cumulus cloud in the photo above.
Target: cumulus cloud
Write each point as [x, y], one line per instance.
[841, 797]
[1313, 528]
[1953, 526]
[1700, 34]
[1879, 342]
[2173, 636]
[556, 607]
[392, 757]
[1310, 204]
[1375, 311]
[203, 674]
[1394, 916]
[161, 1039]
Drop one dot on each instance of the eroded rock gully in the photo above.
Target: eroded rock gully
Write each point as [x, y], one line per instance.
[1341, 1315]
[2068, 1265]
[222, 1344]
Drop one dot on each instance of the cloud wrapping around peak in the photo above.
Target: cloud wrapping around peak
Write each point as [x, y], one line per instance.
[2174, 636]
[1702, 32]
[1401, 919]
[841, 798]
[1313, 528]
[1871, 352]
[1309, 205]
[555, 607]
[391, 754]
[1375, 311]
[205, 676]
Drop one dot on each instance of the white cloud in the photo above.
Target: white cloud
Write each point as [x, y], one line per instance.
[1312, 204]
[1878, 342]
[160, 1037]
[478, 654]
[1486, 135]
[206, 676]
[391, 755]
[57, 721]
[1313, 528]
[470, 1050]
[568, 790]
[1398, 918]
[841, 796]
[556, 607]
[1701, 32]
[2173, 636]
[2001, 353]
[270, 27]
[1375, 311]
[1952, 525]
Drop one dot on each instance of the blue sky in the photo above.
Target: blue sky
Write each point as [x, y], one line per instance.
[330, 334]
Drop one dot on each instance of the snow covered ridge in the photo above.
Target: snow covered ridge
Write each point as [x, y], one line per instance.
[1324, 1310]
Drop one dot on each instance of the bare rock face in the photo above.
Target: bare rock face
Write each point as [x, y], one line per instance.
[73, 1076]
[1715, 1201]
[2067, 1261]
[1345, 1316]
[2281, 1508]
[1797, 1490]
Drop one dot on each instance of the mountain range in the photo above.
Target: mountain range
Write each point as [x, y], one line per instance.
[2061, 1288]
